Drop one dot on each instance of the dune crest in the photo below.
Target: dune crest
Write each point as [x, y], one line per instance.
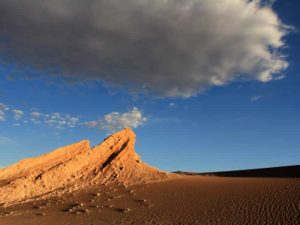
[75, 167]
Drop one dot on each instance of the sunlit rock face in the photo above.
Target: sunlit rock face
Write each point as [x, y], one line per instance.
[75, 167]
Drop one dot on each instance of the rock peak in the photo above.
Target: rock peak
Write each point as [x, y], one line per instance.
[77, 166]
[125, 134]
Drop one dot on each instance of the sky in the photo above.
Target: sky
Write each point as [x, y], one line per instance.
[206, 85]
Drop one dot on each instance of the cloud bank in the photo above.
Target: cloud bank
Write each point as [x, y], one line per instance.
[166, 47]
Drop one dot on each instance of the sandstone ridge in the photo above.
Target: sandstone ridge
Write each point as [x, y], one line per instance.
[75, 167]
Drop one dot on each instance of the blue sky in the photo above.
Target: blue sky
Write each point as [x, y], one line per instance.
[245, 123]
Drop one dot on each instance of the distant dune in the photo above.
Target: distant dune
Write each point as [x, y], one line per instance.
[109, 185]
[283, 172]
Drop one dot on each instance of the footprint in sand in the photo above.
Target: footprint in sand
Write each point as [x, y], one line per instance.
[144, 202]
[123, 210]
[7, 213]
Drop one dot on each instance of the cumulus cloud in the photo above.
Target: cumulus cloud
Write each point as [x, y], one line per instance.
[18, 114]
[115, 121]
[166, 47]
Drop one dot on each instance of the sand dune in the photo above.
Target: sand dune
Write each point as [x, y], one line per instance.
[281, 172]
[109, 184]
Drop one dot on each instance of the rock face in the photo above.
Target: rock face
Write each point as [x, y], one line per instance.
[77, 166]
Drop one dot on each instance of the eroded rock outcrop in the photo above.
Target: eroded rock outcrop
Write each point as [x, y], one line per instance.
[77, 166]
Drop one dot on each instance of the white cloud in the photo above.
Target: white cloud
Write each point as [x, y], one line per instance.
[172, 105]
[2, 116]
[166, 47]
[255, 98]
[3, 108]
[91, 124]
[280, 77]
[55, 119]
[72, 121]
[115, 121]
[36, 117]
[18, 114]
[110, 122]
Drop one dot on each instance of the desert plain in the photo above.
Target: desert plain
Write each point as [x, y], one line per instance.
[110, 184]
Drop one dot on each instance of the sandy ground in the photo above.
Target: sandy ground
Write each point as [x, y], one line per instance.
[109, 185]
[187, 200]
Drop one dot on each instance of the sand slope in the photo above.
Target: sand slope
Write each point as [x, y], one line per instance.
[190, 200]
[76, 166]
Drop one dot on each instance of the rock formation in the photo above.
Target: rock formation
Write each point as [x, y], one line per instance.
[77, 166]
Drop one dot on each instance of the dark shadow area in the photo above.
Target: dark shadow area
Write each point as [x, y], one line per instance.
[114, 155]
[283, 172]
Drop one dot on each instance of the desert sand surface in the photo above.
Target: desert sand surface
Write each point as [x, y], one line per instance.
[109, 184]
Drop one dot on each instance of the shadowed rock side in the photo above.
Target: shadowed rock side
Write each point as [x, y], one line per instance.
[76, 166]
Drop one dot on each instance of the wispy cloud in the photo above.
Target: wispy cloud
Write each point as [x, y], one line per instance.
[18, 114]
[5, 140]
[255, 98]
[36, 117]
[172, 105]
[58, 120]
[91, 124]
[279, 77]
[55, 119]
[3, 108]
[116, 121]
[2, 115]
